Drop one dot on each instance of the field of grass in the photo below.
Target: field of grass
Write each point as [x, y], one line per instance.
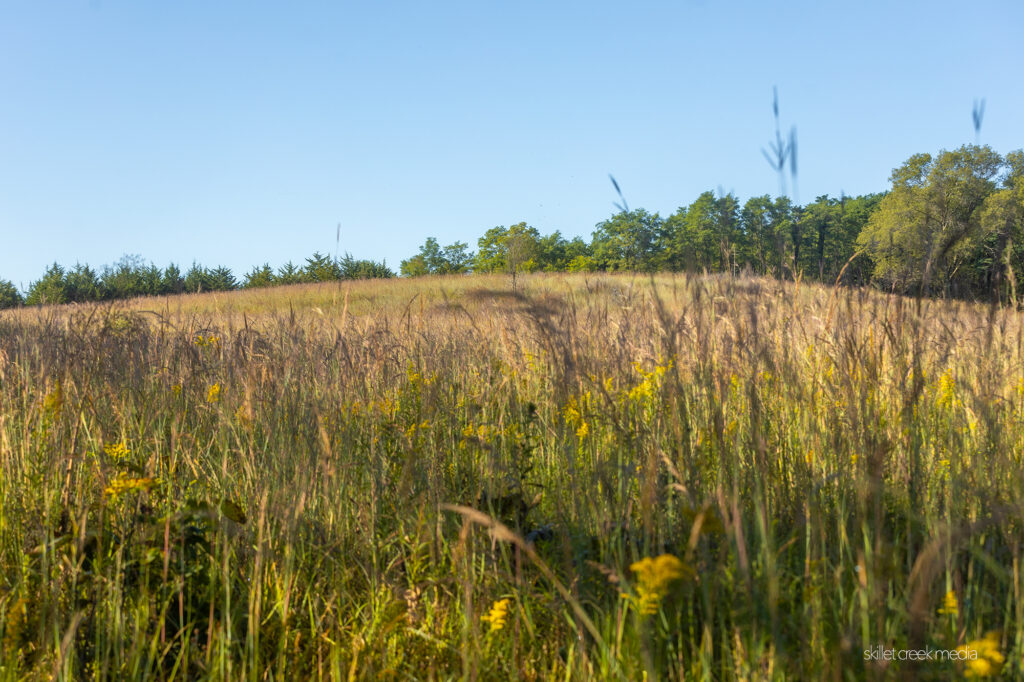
[594, 477]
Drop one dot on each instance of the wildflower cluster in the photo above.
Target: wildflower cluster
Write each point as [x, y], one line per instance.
[126, 484]
[498, 615]
[210, 341]
[118, 452]
[950, 606]
[574, 414]
[654, 578]
[651, 380]
[946, 391]
[983, 656]
[53, 402]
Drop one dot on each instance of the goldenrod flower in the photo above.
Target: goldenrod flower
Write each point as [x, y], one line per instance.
[213, 395]
[117, 451]
[210, 340]
[950, 606]
[53, 401]
[125, 484]
[654, 578]
[498, 616]
[176, 389]
[947, 391]
[983, 656]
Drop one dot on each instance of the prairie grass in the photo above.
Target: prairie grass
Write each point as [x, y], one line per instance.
[594, 477]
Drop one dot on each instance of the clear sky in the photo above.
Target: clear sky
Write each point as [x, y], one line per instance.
[241, 132]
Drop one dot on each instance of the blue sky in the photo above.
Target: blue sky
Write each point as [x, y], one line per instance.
[241, 132]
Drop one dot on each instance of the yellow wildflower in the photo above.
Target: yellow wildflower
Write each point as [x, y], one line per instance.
[213, 395]
[571, 413]
[54, 400]
[176, 389]
[117, 451]
[210, 340]
[654, 578]
[498, 616]
[947, 391]
[983, 656]
[125, 484]
[16, 619]
[583, 431]
[950, 606]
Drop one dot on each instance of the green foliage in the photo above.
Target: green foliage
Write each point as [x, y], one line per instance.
[507, 249]
[320, 268]
[82, 284]
[630, 241]
[555, 253]
[946, 226]
[289, 273]
[221, 279]
[198, 279]
[172, 281]
[49, 289]
[131, 277]
[703, 236]
[435, 260]
[10, 297]
[999, 261]
[928, 226]
[352, 268]
[261, 276]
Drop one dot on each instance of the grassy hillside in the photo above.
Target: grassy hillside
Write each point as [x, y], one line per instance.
[593, 477]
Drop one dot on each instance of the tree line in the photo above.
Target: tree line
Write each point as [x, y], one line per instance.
[132, 276]
[950, 224]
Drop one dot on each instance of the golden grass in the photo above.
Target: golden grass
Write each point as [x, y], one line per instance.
[600, 476]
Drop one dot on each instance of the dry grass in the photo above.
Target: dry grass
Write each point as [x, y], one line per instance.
[440, 478]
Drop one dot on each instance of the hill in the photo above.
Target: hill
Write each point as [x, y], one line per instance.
[594, 476]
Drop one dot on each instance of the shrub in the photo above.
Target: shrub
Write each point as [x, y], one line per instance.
[10, 297]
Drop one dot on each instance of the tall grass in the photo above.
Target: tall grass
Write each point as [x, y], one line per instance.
[592, 477]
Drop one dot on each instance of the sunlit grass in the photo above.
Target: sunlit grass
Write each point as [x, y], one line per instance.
[593, 477]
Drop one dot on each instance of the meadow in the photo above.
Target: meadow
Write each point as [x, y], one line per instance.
[593, 476]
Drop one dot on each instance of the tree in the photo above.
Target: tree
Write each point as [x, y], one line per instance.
[320, 268]
[49, 289]
[172, 282]
[703, 235]
[350, 268]
[758, 244]
[927, 226]
[198, 279]
[82, 284]
[520, 248]
[221, 279]
[435, 260]
[507, 249]
[1000, 260]
[630, 240]
[415, 266]
[458, 258]
[289, 274]
[131, 277]
[259, 276]
[10, 297]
